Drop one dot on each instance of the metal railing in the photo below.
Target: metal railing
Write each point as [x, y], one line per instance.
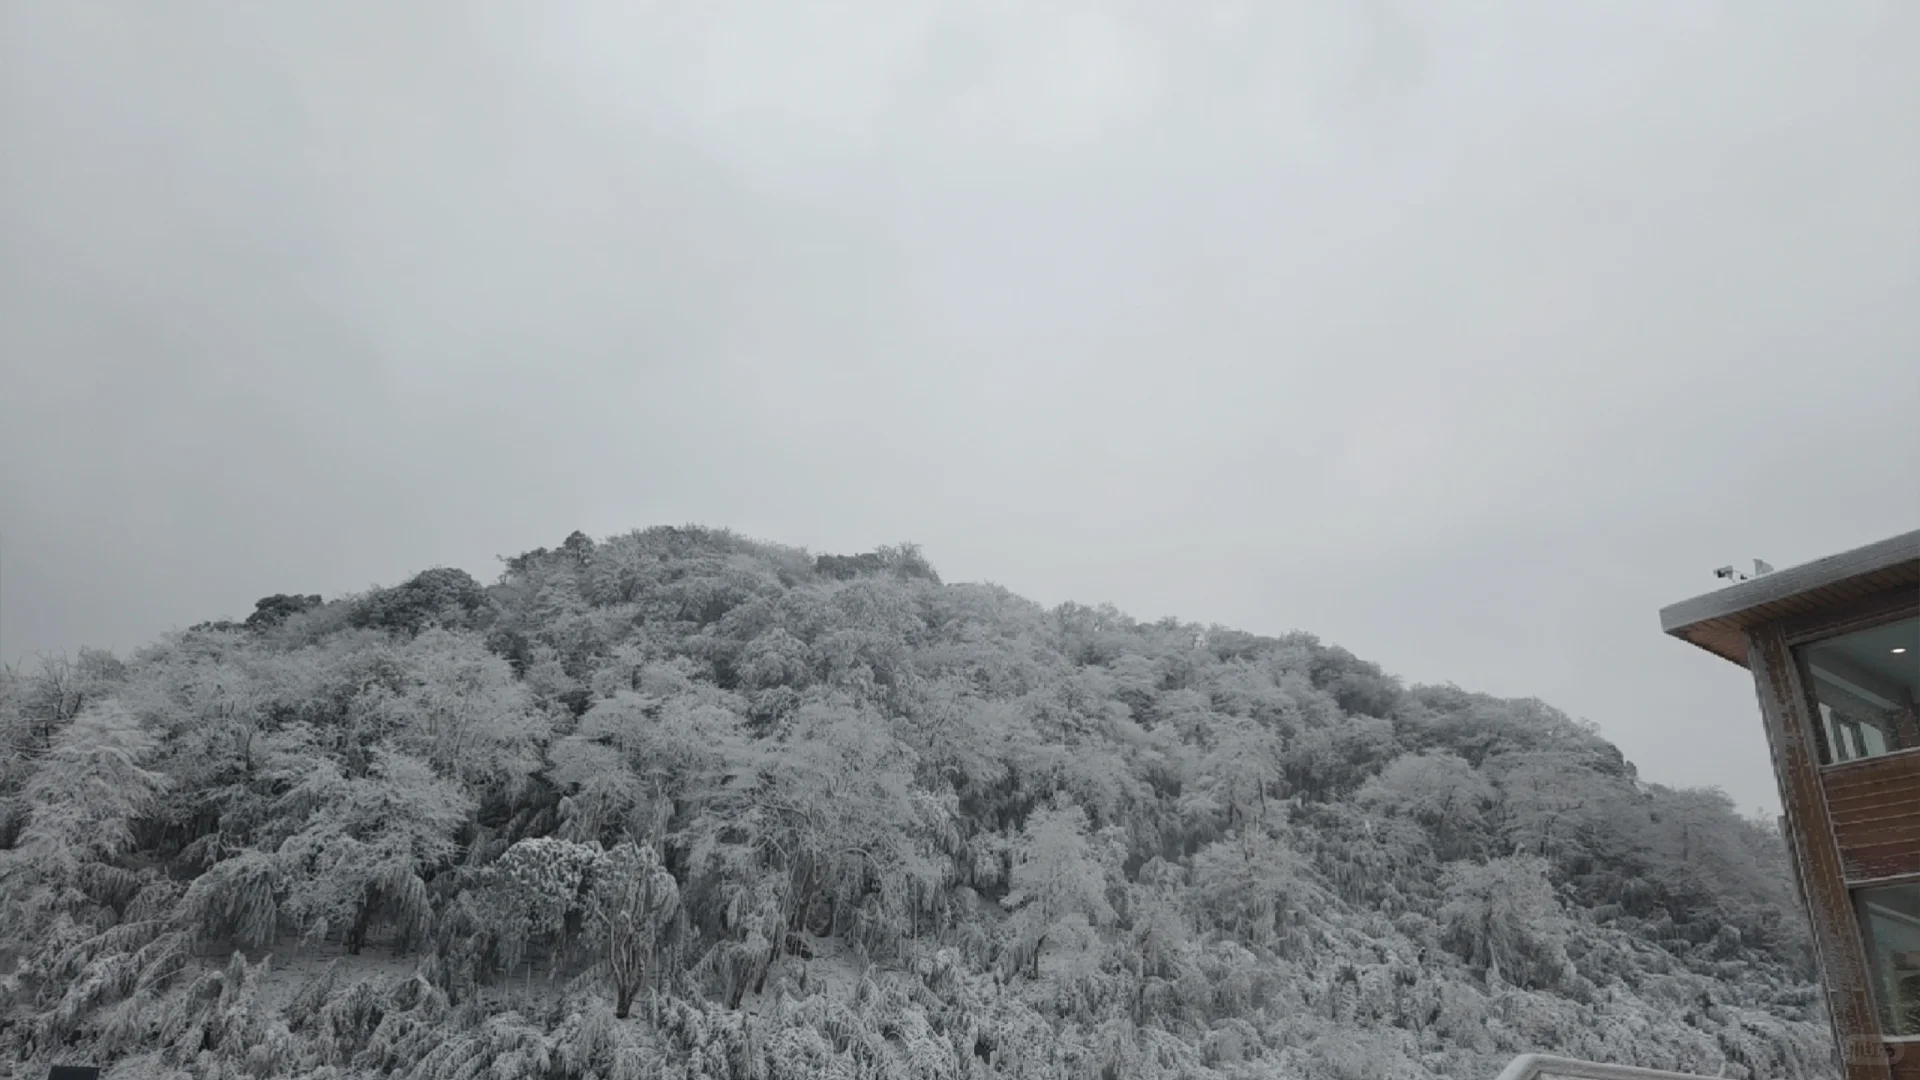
[1546, 1067]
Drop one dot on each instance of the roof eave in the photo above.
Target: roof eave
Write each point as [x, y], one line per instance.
[1717, 621]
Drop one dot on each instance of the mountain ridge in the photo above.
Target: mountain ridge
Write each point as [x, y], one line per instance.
[757, 812]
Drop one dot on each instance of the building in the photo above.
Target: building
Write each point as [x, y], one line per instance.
[1834, 649]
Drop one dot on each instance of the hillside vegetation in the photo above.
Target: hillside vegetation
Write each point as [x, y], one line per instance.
[682, 805]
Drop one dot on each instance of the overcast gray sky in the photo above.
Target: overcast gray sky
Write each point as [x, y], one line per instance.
[1466, 335]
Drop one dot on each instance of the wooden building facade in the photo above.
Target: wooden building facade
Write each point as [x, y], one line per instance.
[1834, 649]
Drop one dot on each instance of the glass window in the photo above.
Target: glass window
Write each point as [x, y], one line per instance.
[1863, 686]
[1890, 922]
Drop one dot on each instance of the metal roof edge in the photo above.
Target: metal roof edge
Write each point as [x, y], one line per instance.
[1732, 600]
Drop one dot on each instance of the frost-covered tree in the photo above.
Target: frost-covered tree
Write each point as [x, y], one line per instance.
[358, 850]
[1059, 881]
[1503, 918]
[1439, 790]
[632, 901]
[86, 794]
[534, 886]
[461, 710]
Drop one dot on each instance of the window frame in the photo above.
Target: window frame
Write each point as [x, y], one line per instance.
[1876, 979]
[1870, 613]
